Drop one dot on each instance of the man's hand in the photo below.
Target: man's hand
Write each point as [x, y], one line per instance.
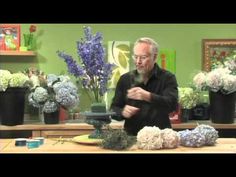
[129, 111]
[138, 93]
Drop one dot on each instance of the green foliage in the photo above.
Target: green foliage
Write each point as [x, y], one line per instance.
[117, 139]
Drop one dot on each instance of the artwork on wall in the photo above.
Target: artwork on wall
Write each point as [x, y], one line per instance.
[167, 59]
[214, 50]
[119, 55]
[9, 37]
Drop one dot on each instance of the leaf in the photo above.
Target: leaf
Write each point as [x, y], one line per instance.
[122, 59]
[115, 77]
[123, 47]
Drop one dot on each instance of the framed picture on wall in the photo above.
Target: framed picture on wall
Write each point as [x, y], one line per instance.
[9, 37]
[214, 50]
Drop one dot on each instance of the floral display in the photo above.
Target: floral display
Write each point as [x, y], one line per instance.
[170, 138]
[188, 98]
[200, 136]
[222, 78]
[29, 38]
[151, 138]
[8, 79]
[59, 91]
[209, 132]
[93, 72]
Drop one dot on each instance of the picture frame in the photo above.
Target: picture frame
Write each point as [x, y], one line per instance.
[10, 36]
[215, 49]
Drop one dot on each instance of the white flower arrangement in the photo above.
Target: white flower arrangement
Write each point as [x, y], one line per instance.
[151, 138]
[220, 79]
[7, 79]
[59, 91]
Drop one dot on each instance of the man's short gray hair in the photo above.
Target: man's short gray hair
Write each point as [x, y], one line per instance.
[154, 44]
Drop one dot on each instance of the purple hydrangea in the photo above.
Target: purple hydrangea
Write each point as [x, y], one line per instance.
[93, 72]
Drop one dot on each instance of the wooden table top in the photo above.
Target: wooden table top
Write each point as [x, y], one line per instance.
[85, 126]
[223, 145]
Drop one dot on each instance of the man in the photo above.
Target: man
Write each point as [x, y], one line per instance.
[145, 96]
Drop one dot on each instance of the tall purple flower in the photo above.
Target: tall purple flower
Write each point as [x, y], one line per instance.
[93, 72]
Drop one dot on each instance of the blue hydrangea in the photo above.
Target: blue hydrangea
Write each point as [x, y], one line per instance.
[209, 132]
[93, 72]
[60, 91]
[191, 138]
[50, 106]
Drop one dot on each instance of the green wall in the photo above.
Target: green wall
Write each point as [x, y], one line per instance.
[184, 38]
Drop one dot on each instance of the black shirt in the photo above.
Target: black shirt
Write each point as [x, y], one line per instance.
[164, 99]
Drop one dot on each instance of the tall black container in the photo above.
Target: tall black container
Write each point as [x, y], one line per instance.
[12, 104]
[222, 107]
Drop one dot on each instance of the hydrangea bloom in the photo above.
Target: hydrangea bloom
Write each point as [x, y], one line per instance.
[222, 78]
[170, 138]
[191, 138]
[13, 80]
[149, 138]
[60, 91]
[94, 72]
[209, 132]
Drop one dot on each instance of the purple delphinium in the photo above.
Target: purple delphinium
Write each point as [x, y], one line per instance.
[94, 71]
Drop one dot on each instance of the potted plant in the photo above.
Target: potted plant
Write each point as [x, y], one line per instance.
[59, 91]
[13, 87]
[221, 84]
[188, 99]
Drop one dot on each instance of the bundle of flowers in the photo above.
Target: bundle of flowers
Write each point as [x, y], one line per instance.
[210, 133]
[93, 72]
[200, 136]
[221, 78]
[117, 139]
[7, 79]
[191, 138]
[59, 91]
[151, 138]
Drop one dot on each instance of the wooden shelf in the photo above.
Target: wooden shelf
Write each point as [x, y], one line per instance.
[17, 53]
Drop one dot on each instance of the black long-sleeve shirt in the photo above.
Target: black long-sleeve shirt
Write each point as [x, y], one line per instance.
[164, 99]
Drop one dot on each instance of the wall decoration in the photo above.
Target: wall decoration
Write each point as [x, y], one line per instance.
[167, 59]
[9, 37]
[214, 50]
[119, 55]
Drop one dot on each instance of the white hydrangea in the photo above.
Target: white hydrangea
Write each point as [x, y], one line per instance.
[149, 138]
[170, 138]
[18, 80]
[200, 80]
[5, 76]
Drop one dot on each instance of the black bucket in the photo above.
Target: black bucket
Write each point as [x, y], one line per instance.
[222, 107]
[12, 104]
[51, 118]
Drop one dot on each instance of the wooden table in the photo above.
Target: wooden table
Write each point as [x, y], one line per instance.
[224, 145]
[73, 129]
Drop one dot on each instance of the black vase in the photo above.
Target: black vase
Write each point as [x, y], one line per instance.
[51, 118]
[222, 107]
[185, 115]
[12, 104]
